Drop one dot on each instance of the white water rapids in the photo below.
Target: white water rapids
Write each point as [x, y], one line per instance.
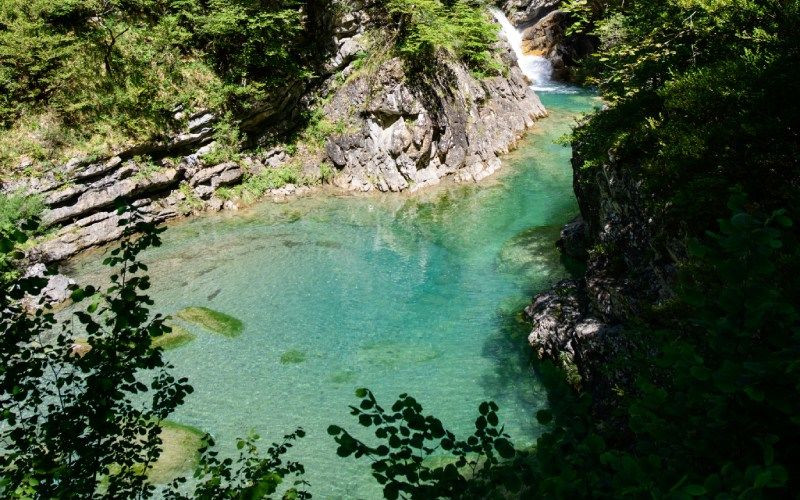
[537, 68]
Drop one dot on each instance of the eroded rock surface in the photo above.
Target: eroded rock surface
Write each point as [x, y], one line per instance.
[404, 134]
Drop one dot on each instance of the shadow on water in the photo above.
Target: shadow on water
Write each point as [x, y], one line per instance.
[532, 259]
[507, 345]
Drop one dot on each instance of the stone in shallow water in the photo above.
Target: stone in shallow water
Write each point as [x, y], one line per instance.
[212, 320]
[181, 445]
[391, 354]
[532, 255]
[328, 244]
[293, 356]
[80, 347]
[343, 377]
[293, 216]
[177, 337]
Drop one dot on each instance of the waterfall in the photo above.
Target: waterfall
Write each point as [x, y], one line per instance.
[537, 68]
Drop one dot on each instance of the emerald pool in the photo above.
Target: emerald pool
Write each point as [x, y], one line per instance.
[399, 293]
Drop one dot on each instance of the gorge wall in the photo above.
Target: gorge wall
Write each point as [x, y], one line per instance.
[577, 322]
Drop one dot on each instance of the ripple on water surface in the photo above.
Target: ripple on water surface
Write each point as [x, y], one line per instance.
[398, 294]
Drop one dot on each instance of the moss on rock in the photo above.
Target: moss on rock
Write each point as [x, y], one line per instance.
[181, 446]
[212, 320]
[177, 337]
[293, 356]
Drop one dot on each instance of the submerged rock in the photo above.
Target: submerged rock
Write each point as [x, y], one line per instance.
[292, 357]
[395, 354]
[212, 320]
[531, 256]
[343, 377]
[177, 337]
[180, 454]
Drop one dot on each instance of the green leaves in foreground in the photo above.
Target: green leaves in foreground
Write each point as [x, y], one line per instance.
[416, 457]
[76, 422]
[84, 400]
[250, 476]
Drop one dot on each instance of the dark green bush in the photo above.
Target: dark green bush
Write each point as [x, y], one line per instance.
[461, 28]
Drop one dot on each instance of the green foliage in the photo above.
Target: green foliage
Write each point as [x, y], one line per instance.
[255, 186]
[461, 28]
[19, 221]
[251, 43]
[713, 409]
[326, 172]
[191, 202]
[227, 143]
[102, 73]
[700, 100]
[17, 208]
[147, 168]
[69, 419]
[249, 476]
[318, 129]
[418, 458]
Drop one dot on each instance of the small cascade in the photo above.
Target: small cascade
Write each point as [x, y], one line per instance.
[537, 68]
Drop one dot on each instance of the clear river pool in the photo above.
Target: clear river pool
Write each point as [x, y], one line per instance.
[398, 293]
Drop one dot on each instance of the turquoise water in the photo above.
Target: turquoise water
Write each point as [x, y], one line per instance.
[416, 294]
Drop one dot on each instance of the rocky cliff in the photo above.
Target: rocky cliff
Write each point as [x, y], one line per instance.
[389, 129]
[406, 133]
[577, 322]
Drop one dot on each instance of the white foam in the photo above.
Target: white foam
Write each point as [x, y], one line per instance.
[538, 69]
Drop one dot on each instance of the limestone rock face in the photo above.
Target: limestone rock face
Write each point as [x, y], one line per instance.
[572, 241]
[547, 38]
[105, 194]
[404, 134]
[566, 331]
[527, 12]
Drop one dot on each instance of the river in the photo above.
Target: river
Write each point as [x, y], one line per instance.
[418, 294]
